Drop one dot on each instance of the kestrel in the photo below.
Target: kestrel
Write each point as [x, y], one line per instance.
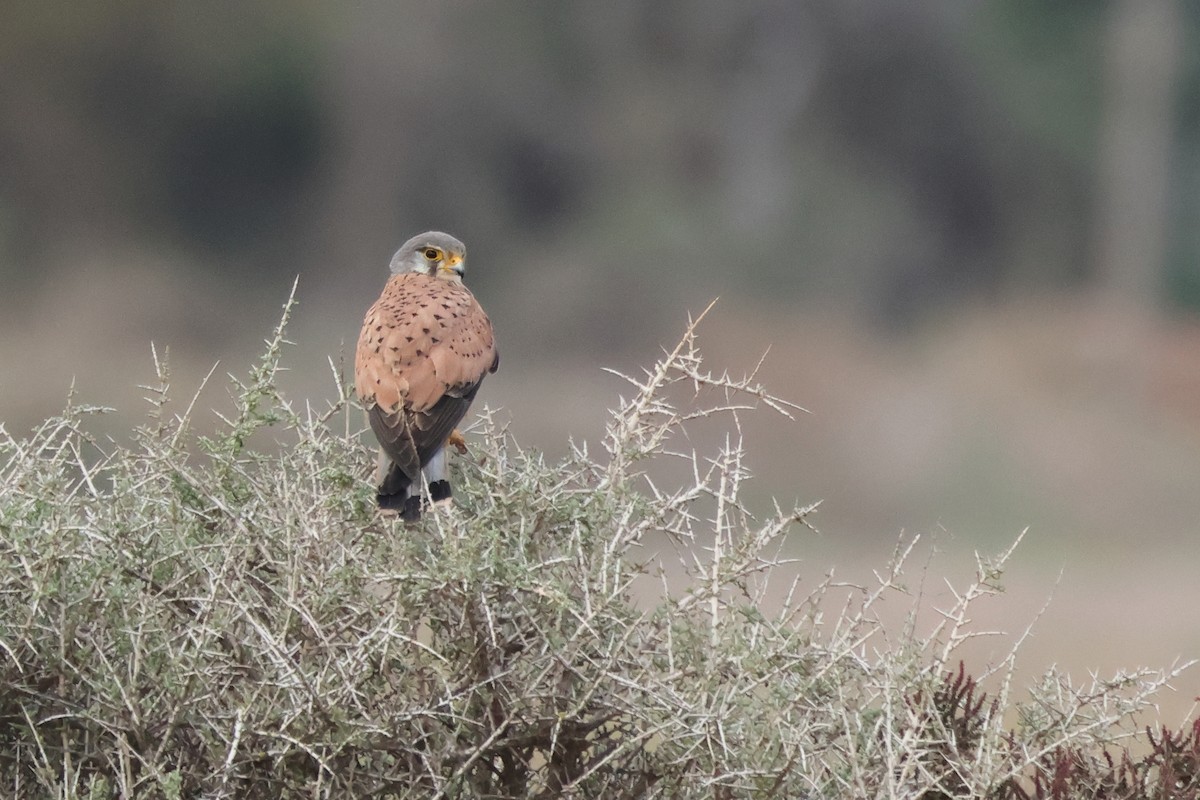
[425, 348]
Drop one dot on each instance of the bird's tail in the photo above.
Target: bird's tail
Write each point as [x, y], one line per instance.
[393, 493]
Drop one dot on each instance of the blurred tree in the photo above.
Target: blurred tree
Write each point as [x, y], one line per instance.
[903, 153]
[190, 127]
[1183, 278]
[1137, 142]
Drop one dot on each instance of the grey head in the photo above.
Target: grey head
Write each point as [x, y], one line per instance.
[432, 253]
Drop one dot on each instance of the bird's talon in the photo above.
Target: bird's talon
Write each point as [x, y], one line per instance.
[456, 439]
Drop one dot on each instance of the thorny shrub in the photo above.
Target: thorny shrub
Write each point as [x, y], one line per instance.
[185, 616]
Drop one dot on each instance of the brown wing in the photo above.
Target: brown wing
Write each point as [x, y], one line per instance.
[425, 347]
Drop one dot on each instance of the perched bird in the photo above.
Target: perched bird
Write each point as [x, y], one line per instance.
[425, 348]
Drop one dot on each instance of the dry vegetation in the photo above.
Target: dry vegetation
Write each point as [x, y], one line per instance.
[185, 616]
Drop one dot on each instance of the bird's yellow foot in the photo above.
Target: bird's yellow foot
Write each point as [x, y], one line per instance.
[456, 439]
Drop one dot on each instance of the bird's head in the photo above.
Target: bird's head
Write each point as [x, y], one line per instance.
[432, 253]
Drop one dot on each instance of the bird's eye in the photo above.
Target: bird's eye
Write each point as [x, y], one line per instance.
[432, 253]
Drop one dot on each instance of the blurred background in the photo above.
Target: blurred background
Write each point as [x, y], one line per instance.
[966, 230]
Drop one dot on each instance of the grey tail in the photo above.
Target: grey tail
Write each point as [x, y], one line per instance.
[437, 474]
[393, 494]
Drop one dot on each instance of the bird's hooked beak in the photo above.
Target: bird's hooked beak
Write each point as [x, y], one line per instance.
[454, 265]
